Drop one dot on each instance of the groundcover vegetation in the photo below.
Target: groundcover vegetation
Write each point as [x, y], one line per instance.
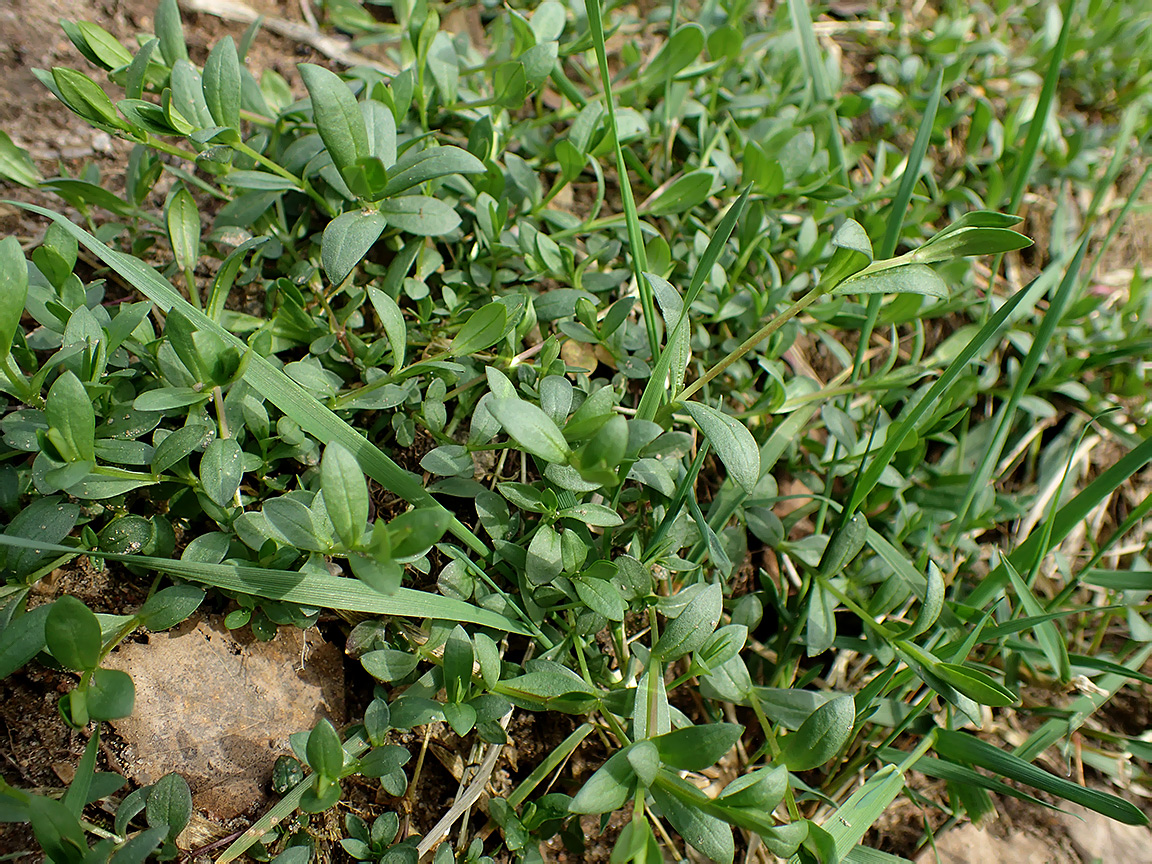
[740, 419]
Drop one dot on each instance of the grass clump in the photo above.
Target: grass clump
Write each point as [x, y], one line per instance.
[752, 431]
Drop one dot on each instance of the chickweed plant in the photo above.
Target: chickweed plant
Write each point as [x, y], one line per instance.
[681, 390]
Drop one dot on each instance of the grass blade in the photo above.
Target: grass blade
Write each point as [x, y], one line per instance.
[969, 750]
[991, 455]
[628, 202]
[307, 589]
[801, 17]
[1040, 118]
[868, 478]
[900, 203]
[1067, 518]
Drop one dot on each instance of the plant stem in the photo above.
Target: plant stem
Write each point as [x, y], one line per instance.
[751, 342]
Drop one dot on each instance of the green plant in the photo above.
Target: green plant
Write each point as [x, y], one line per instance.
[609, 396]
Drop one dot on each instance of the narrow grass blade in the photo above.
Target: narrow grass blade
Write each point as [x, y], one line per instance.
[1080, 710]
[307, 589]
[900, 203]
[969, 750]
[551, 763]
[860, 812]
[982, 475]
[801, 17]
[1031, 147]
[628, 202]
[913, 412]
[1067, 518]
[266, 379]
[654, 389]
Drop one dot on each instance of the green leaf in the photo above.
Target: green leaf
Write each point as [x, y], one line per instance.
[380, 125]
[531, 428]
[763, 788]
[13, 290]
[392, 323]
[293, 521]
[732, 442]
[418, 167]
[682, 194]
[15, 163]
[104, 45]
[483, 329]
[169, 804]
[325, 752]
[705, 832]
[976, 685]
[84, 96]
[346, 241]
[72, 634]
[169, 606]
[23, 639]
[608, 788]
[415, 532]
[69, 411]
[338, 118]
[383, 575]
[420, 215]
[674, 55]
[970, 241]
[57, 830]
[111, 694]
[345, 494]
[931, 607]
[695, 748]
[821, 630]
[457, 664]
[969, 750]
[388, 664]
[134, 88]
[183, 220]
[601, 596]
[259, 180]
[170, 31]
[821, 736]
[545, 559]
[221, 83]
[221, 470]
[853, 253]
[906, 279]
[690, 629]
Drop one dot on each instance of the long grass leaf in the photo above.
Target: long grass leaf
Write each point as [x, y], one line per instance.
[654, 390]
[914, 411]
[307, 589]
[1067, 518]
[628, 202]
[982, 475]
[969, 750]
[296, 402]
[895, 224]
[1080, 710]
[801, 16]
[1039, 120]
